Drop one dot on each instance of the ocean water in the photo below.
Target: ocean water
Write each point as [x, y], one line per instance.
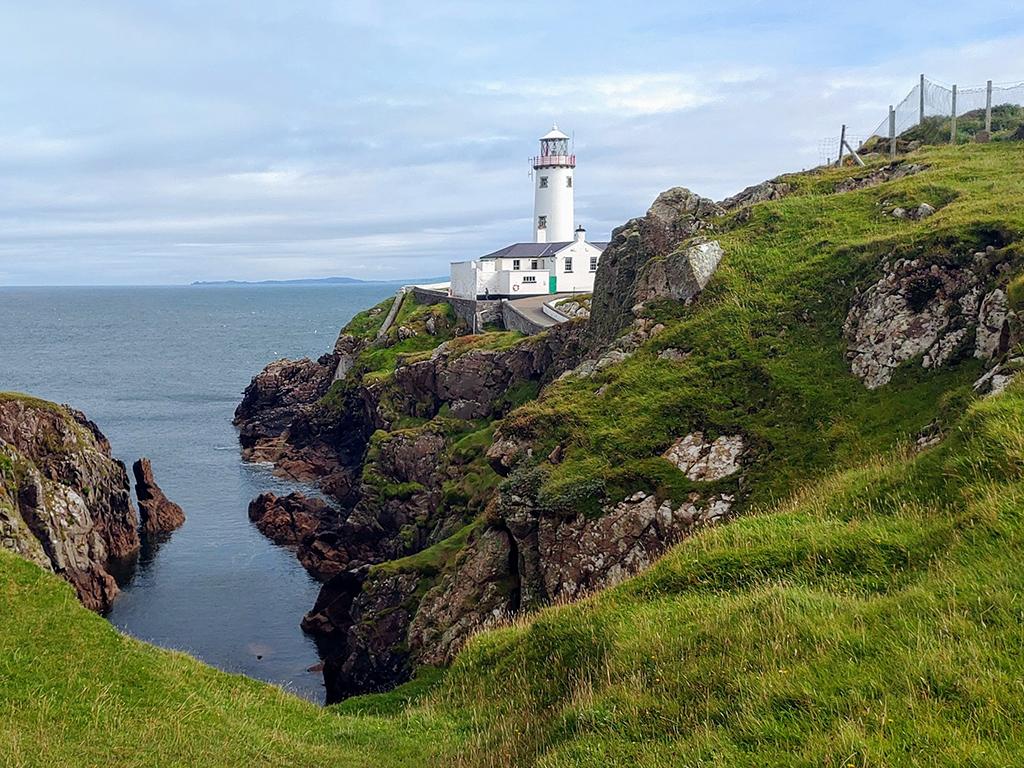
[160, 370]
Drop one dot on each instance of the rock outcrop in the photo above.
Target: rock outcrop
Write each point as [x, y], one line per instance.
[65, 502]
[158, 513]
[681, 275]
[675, 216]
[933, 309]
[706, 460]
[891, 172]
[287, 519]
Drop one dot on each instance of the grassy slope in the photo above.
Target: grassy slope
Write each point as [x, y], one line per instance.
[75, 692]
[766, 340]
[872, 620]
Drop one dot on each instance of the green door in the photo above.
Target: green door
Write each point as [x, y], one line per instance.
[552, 284]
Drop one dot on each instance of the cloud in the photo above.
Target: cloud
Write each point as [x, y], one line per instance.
[178, 141]
[649, 93]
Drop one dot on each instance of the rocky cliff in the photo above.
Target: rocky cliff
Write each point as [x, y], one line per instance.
[480, 477]
[64, 501]
[424, 548]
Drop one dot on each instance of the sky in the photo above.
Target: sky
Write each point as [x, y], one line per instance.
[161, 142]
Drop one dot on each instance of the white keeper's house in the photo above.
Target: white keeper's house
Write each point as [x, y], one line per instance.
[559, 260]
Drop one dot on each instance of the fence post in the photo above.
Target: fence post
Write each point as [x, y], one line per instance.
[952, 119]
[892, 133]
[920, 112]
[842, 143]
[988, 107]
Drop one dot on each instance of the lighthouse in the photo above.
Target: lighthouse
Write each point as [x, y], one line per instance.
[554, 218]
[559, 260]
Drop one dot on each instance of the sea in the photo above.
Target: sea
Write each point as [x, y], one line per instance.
[161, 370]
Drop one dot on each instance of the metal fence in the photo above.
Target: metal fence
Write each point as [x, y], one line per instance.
[927, 99]
[931, 99]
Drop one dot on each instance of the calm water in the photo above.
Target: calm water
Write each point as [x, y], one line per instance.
[161, 371]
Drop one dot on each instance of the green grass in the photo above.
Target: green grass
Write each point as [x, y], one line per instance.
[432, 560]
[865, 612]
[367, 323]
[873, 620]
[768, 357]
[75, 692]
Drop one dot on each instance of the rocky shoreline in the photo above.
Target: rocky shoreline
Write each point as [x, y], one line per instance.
[65, 502]
[411, 566]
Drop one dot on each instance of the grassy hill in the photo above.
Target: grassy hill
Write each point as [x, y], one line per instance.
[865, 611]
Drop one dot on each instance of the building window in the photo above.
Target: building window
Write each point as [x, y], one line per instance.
[529, 278]
[568, 264]
[515, 264]
[534, 263]
[568, 181]
[593, 263]
[542, 222]
[543, 182]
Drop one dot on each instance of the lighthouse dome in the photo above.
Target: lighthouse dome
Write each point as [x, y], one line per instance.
[554, 133]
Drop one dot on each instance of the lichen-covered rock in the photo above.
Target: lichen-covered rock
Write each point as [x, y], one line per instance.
[995, 380]
[675, 216]
[64, 501]
[158, 513]
[897, 170]
[773, 189]
[706, 460]
[993, 334]
[673, 354]
[906, 314]
[928, 309]
[372, 624]
[681, 275]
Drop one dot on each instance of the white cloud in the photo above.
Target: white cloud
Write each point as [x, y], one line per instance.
[639, 94]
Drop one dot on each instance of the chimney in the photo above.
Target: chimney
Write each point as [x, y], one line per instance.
[581, 234]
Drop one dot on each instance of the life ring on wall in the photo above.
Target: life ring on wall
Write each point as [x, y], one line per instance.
[515, 287]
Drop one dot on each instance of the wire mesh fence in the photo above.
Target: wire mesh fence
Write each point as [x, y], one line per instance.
[828, 149]
[931, 99]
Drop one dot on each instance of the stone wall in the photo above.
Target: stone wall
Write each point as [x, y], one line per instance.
[513, 320]
[485, 311]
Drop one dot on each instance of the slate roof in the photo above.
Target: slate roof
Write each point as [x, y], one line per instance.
[533, 250]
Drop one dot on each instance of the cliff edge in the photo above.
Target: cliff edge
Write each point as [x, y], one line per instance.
[64, 500]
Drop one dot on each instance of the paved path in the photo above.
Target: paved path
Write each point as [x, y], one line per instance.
[392, 313]
[532, 307]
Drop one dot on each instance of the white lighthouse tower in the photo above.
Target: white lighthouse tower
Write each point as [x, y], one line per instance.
[554, 218]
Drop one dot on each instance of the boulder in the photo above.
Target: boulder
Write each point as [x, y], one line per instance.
[774, 189]
[676, 215]
[287, 519]
[706, 460]
[157, 513]
[681, 275]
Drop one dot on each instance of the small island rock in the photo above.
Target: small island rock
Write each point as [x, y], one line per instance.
[158, 513]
